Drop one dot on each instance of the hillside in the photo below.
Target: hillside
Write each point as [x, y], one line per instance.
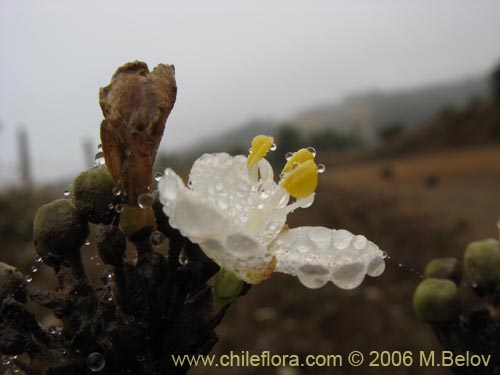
[476, 124]
[375, 109]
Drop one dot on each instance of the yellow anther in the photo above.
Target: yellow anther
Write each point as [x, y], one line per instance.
[302, 180]
[261, 144]
[298, 157]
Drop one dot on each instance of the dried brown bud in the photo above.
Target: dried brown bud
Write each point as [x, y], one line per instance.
[135, 105]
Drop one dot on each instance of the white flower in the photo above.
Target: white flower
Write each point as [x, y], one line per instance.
[237, 213]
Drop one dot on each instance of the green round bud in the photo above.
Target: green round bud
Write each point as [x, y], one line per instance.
[111, 243]
[436, 301]
[482, 262]
[12, 283]
[227, 286]
[137, 222]
[58, 229]
[443, 268]
[92, 193]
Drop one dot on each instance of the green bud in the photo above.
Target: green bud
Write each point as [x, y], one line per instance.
[482, 262]
[443, 268]
[227, 286]
[92, 192]
[136, 222]
[111, 243]
[12, 283]
[59, 229]
[436, 301]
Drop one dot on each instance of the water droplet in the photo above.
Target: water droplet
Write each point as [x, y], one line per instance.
[87, 243]
[295, 165]
[99, 158]
[5, 360]
[140, 357]
[145, 200]
[15, 370]
[108, 276]
[28, 279]
[128, 151]
[52, 330]
[158, 176]
[183, 258]
[111, 206]
[38, 259]
[118, 208]
[384, 254]
[312, 150]
[250, 150]
[321, 168]
[99, 146]
[474, 286]
[130, 319]
[157, 238]
[282, 176]
[288, 155]
[400, 264]
[66, 193]
[96, 362]
[116, 191]
[34, 269]
[273, 147]
[92, 257]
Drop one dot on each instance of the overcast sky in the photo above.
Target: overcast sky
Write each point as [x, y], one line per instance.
[234, 61]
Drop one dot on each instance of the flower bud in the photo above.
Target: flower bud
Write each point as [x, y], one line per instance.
[92, 192]
[59, 229]
[135, 221]
[443, 268]
[111, 244]
[482, 262]
[227, 286]
[12, 283]
[436, 301]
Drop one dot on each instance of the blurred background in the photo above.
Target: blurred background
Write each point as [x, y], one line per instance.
[400, 99]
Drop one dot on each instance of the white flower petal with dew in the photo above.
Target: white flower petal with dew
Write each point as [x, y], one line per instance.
[236, 214]
[317, 255]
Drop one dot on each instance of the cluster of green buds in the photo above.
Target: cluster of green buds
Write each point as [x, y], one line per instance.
[442, 300]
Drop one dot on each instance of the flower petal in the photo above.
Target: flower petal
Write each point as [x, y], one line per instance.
[317, 255]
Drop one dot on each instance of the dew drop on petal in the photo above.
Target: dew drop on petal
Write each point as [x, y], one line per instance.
[145, 200]
[128, 151]
[37, 259]
[87, 243]
[156, 238]
[34, 269]
[273, 147]
[66, 193]
[99, 146]
[116, 191]
[312, 150]
[158, 176]
[288, 155]
[384, 254]
[28, 278]
[118, 208]
[96, 362]
[111, 206]
[321, 168]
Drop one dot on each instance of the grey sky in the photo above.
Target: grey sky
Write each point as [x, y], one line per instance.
[234, 61]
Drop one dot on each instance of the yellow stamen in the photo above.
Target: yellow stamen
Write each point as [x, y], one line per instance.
[302, 180]
[261, 144]
[298, 157]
